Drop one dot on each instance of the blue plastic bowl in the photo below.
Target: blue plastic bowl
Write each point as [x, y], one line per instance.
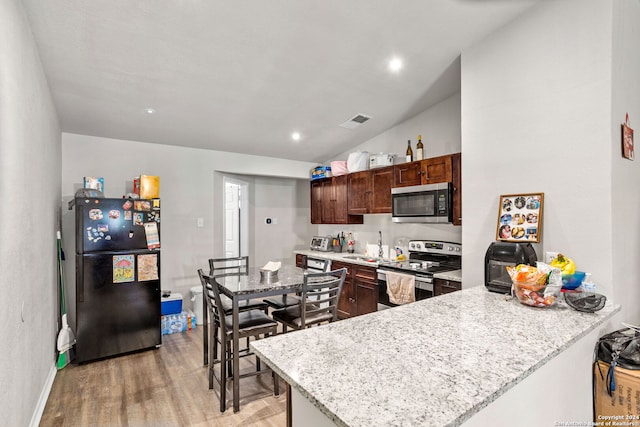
[573, 281]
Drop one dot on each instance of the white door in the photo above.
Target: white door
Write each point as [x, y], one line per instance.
[232, 220]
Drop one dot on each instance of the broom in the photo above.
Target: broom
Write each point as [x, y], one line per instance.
[66, 338]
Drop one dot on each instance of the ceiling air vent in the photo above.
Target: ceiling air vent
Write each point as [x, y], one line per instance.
[355, 121]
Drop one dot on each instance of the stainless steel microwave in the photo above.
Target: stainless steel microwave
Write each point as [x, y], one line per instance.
[431, 203]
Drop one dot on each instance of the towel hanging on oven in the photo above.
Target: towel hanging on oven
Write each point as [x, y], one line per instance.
[401, 287]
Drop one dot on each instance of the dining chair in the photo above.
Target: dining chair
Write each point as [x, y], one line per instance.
[318, 302]
[225, 267]
[251, 324]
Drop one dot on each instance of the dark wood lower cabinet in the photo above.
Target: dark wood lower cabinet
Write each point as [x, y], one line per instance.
[443, 286]
[366, 285]
[359, 292]
[347, 301]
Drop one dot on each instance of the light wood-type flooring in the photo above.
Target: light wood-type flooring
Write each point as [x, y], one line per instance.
[167, 386]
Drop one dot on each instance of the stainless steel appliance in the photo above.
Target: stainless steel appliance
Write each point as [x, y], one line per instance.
[321, 243]
[382, 159]
[426, 257]
[499, 255]
[432, 203]
[316, 265]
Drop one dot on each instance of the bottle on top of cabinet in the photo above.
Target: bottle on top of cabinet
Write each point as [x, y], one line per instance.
[419, 149]
[409, 152]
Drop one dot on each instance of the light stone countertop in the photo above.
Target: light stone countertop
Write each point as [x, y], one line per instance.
[435, 362]
[455, 275]
[336, 256]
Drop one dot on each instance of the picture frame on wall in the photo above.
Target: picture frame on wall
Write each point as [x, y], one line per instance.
[520, 218]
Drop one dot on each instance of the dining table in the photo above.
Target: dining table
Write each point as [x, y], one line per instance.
[287, 280]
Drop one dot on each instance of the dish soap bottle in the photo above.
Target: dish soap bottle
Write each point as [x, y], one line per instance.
[350, 243]
[419, 149]
[409, 152]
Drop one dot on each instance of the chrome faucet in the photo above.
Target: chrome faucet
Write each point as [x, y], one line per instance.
[380, 253]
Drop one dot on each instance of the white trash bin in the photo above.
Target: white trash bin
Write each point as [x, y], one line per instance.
[196, 303]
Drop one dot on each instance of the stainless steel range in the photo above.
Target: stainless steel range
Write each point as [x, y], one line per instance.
[426, 257]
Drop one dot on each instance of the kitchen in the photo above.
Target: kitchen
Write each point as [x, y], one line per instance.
[570, 110]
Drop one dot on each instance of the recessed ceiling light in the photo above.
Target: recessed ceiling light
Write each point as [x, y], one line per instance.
[395, 64]
[296, 136]
[149, 110]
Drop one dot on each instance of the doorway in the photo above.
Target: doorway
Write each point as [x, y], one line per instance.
[236, 219]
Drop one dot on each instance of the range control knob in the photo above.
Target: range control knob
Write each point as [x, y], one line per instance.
[412, 245]
[457, 249]
[450, 248]
[418, 246]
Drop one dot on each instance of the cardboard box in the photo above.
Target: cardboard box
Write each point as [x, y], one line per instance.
[171, 304]
[624, 403]
[149, 187]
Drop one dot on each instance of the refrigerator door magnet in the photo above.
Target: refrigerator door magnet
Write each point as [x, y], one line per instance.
[123, 268]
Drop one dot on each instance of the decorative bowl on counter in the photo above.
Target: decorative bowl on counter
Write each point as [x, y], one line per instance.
[588, 302]
[573, 281]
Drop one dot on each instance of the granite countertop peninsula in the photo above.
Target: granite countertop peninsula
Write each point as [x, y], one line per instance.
[436, 362]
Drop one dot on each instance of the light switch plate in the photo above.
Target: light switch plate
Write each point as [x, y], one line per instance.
[200, 222]
[549, 256]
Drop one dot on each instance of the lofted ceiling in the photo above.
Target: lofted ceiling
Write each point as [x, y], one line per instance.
[242, 75]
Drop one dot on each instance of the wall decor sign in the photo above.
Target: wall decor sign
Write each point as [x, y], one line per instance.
[627, 140]
[520, 218]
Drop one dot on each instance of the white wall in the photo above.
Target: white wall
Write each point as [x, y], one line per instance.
[625, 173]
[30, 210]
[190, 188]
[536, 118]
[440, 130]
[287, 203]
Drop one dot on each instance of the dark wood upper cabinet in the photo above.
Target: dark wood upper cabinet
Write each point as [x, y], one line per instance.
[358, 184]
[380, 190]
[344, 199]
[407, 174]
[370, 191]
[437, 169]
[329, 202]
[316, 202]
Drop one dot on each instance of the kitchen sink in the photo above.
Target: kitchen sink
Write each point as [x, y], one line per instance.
[362, 258]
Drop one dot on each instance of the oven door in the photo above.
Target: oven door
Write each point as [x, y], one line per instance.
[423, 289]
[432, 203]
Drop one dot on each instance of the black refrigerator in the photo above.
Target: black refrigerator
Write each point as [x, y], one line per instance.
[117, 307]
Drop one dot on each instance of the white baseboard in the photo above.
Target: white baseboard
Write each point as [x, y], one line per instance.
[44, 395]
